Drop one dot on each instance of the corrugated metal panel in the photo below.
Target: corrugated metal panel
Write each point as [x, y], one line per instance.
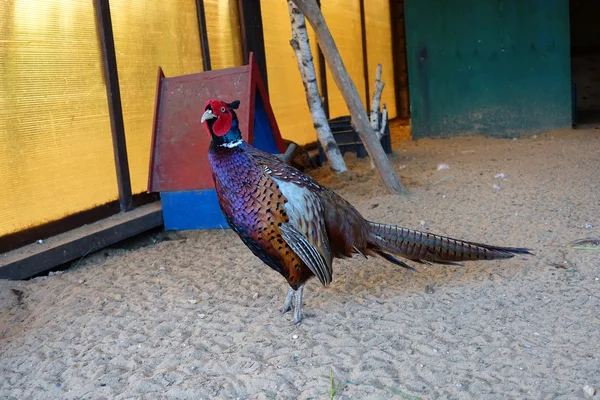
[55, 142]
[343, 18]
[286, 91]
[379, 50]
[148, 34]
[224, 37]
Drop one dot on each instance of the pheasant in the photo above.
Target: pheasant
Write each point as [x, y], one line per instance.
[297, 227]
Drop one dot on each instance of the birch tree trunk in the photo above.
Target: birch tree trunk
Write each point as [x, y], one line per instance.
[360, 120]
[384, 121]
[376, 99]
[306, 66]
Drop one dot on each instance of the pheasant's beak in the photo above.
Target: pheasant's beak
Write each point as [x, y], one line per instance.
[208, 114]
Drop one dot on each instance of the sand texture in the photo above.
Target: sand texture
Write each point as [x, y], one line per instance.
[191, 315]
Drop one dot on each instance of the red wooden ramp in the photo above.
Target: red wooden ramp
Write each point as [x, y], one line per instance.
[179, 167]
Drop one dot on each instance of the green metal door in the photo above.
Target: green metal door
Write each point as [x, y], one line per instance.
[493, 67]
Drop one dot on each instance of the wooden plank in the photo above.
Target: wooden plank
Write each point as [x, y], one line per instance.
[180, 146]
[115, 109]
[39, 257]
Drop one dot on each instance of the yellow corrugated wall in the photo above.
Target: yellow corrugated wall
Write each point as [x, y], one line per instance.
[224, 38]
[148, 34]
[380, 50]
[343, 19]
[286, 92]
[56, 153]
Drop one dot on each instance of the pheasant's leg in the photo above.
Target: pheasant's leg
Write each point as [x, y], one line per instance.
[287, 305]
[298, 306]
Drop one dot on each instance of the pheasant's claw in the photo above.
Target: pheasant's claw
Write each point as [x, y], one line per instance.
[285, 309]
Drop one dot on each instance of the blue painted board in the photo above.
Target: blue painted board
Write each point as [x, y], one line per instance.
[192, 209]
[263, 134]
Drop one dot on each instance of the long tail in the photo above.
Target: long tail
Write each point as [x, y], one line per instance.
[427, 247]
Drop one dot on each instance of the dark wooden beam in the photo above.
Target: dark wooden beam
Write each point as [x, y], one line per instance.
[323, 76]
[252, 35]
[363, 34]
[323, 80]
[399, 58]
[115, 109]
[36, 258]
[203, 35]
[26, 236]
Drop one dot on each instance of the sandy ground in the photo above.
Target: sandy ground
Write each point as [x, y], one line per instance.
[194, 315]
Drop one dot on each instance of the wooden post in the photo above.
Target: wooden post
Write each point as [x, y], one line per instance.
[323, 76]
[399, 59]
[363, 35]
[252, 36]
[203, 35]
[323, 80]
[115, 109]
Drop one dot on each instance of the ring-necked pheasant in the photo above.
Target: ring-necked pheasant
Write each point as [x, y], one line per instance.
[297, 227]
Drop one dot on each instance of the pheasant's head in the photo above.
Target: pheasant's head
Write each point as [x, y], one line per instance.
[221, 122]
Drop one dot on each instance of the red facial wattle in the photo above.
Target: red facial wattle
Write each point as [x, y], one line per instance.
[223, 124]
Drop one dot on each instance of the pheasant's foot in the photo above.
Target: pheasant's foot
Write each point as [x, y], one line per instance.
[287, 305]
[298, 306]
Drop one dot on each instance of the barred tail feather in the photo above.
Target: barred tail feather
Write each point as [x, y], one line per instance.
[422, 246]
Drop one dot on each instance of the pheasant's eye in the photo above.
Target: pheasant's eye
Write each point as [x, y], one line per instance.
[222, 109]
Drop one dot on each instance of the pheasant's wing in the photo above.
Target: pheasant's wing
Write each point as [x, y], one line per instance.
[308, 253]
[305, 232]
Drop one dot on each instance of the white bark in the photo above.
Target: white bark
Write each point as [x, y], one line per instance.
[306, 66]
[376, 100]
[384, 121]
[360, 120]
